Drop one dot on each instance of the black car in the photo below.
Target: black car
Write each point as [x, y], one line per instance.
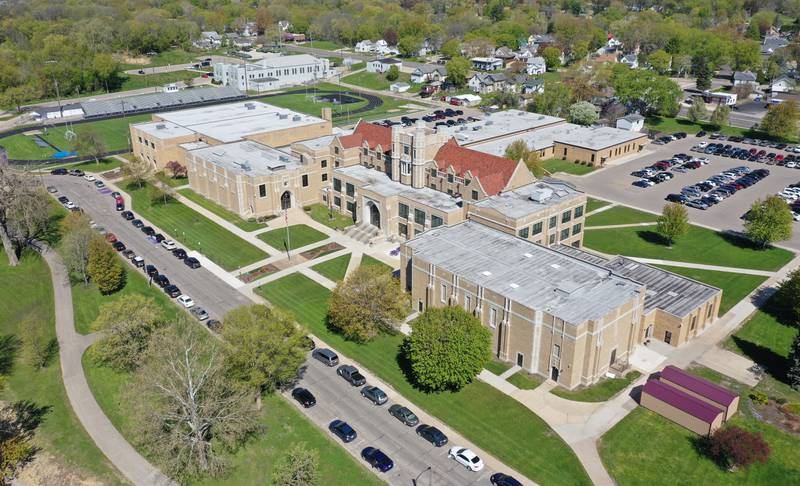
[137, 223]
[377, 459]
[159, 237]
[192, 262]
[432, 435]
[342, 430]
[60, 171]
[304, 396]
[701, 133]
[403, 414]
[214, 325]
[120, 206]
[119, 246]
[179, 253]
[677, 198]
[129, 254]
[128, 215]
[172, 290]
[161, 280]
[151, 271]
[63, 199]
[148, 230]
[500, 479]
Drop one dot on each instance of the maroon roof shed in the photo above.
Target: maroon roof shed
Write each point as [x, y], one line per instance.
[701, 388]
[681, 408]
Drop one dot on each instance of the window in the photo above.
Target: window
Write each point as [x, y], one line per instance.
[350, 189]
[406, 150]
[436, 221]
[402, 228]
[566, 217]
[449, 192]
[336, 150]
[493, 318]
[592, 157]
[467, 302]
[337, 201]
[537, 228]
[694, 323]
[578, 211]
[564, 234]
[366, 151]
[405, 167]
[419, 217]
[450, 178]
[351, 207]
[262, 190]
[474, 195]
[305, 180]
[552, 238]
[556, 351]
[433, 172]
[337, 185]
[403, 210]
[576, 229]
[324, 177]
[553, 222]
[443, 296]
[710, 310]
[667, 337]
[323, 163]
[140, 139]
[523, 233]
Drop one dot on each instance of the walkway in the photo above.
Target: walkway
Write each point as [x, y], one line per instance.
[71, 348]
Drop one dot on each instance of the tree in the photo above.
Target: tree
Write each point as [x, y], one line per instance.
[366, 302]
[555, 99]
[104, 267]
[719, 117]
[447, 348]
[673, 222]
[495, 10]
[16, 434]
[457, 71]
[16, 96]
[127, 324]
[583, 113]
[552, 57]
[74, 247]
[409, 45]
[39, 346]
[177, 169]
[188, 79]
[793, 373]
[697, 112]
[733, 447]
[451, 48]
[138, 170]
[518, 150]
[266, 346]
[298, 467]
[746, 55]
[702, 72]
[89, 144]
[580, 50]
[645, 90]
[263, 19]
[768, 221]
[787, 297]
[781, 120]
[393, 73]
[24, 212]
[187, 409]
[660, 61]
[161, 194]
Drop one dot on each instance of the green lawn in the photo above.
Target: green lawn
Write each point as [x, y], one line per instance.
[620, 215]
[172, 56]
[700, 245]
[593, 204]
[493, 421]
[735, 286]
[497, 367]
[194, 230]
[246, 225]
[333, 269]
[371, 261]
[332, 219]
[525, 381]
[299, 235]
[558, 165]
[323, 44]
[672, 125]
[599, 392]
[22, 147]
[376, 81]
[171, 181]
[26, 298]
[114, 133]
[157, 80]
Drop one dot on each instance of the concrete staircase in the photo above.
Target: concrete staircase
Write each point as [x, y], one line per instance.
[363, 233]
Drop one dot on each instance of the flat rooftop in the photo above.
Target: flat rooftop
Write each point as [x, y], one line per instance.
[498, 124]
[325, 141]
[530, 199]
[163, 129]
[248, 158]
[234, 121]
[533, 275]
[381, 184]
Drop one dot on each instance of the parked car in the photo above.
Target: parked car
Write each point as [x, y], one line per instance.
[305, 397]
[138, 261]
[111, 237]
[89, 177]
[161, 280]
[199, 313]
[151, 271]
[52, 189]
[326, 356]
[466, 458]
[500, 479]
[186, 301]
[119, 246]
[148, 230]
[404, 415]
[76, 172]
[172, 290]
[179, 253]
[432, 435]
[128, 215]
[374, 395]
[351, 375]
[99, 184]
[63, 199]
[214, 325]
[168, 245]
[120, 206]
[377, 459]
[342, 430]
[159, 237]
[59, 171]
[192, 262]
[137, 223]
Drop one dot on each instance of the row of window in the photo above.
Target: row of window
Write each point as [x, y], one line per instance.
[286, 72]
[419, 216]
[145, 142]
[262, 188]
[566, 217]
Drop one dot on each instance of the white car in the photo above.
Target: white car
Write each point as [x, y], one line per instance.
[702, 144]
[796, 216]
[168, 245]
[791, 165]
[185, 301]
[70, 205]
[466, 458]
[89, 177]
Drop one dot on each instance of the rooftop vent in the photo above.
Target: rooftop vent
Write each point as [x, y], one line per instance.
[283, 116]
[218, 153]
[555, 265]
[541, 195]
[527, 255]
[250, 106]
[296, 118]
[672, 294]
[513, 286]
[160, 126]
[489, 122]
[486, 273]
[632, 266]
[283, 158]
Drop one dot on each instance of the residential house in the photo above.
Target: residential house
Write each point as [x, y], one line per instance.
[540, 41]
[633, 122]
[772, 43]
[613, 43]
[630, 60]
[487, 63]
[426, 48]
[531, 86]
[744, 78]
[382, 65]
[525, 53]
[365, 46]
[239, 42]
[505, 53]
[783, 84]
[399, 87]
[208, 40]
[485, 83]
[427, 73]
[535, 65]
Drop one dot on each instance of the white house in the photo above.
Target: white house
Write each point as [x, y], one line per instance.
[484, 83]
[399, 87]
[783, 84]
[365, 46]
[535, 65]
[467, 99]
[171, 88]
[613, 42]
[630, 60]
[427, 73]
[632, 123]
[383, 65]
[525, 53]
[208, 40]
[487, 63]
[273, 71]
[742, 78]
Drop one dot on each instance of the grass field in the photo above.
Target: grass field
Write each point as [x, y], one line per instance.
[370, 261]
[735, 286]
[620, 215]
[157, 80]
[516, 436]
[525, 381]
[171, 181]
[672, 125]
[497, 367]
[300, 235]
[557, 165]
[333, 269]
[593, 204]
[172, 56]
[376, 81]
[700, 245]
[22, 147]
[194, 230]
[323, 44]
[223, 213]
[114, 132]
[26, 299]
[599, 392]
[332, 219]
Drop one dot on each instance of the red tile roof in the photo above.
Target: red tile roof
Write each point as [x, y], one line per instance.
[493, 172]
[373, 134]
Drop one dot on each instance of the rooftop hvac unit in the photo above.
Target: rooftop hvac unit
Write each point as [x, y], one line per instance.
[489, 122]
[250, 106]
[283, 158]
[296, 118]
[160, 126]
[245, 166]
[541, 195]
[283, 116]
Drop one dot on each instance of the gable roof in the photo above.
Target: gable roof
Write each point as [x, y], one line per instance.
[371, 133]
[387, 60]
[537, 61]
[493, 172]
[489, 79]
[430, 68]
[682, 401]
[701, 386]
[744, 76]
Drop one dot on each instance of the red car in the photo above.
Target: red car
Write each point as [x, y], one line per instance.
[111, 238]
[778, 157]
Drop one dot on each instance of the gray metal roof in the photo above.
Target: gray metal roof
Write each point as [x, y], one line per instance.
[744, 76]
[533, 275]
[530, 199]
[158, 101]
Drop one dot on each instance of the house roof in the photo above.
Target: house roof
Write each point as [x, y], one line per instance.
[388, 60]
[682, 401]
[744, 76]
[633, 117]
[430, 68]
[784, 78]
[503, 52]
[493, 172]
[629, 58]
[772, 42]
[537, 60]
[489, 79]
[702, 387]
[371, 133]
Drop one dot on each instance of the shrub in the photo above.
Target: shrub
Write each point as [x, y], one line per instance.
[759, 397]
[104, 267]
[734, 447]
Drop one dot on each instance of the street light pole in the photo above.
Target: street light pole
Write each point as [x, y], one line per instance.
[430, 478]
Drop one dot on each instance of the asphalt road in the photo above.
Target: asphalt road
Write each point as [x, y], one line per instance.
[207, 290]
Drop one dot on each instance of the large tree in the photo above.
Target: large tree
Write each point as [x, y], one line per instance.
[697, 111]
[768, 221]
[137, 170]
[781, 120]
[457, 70]
[90, 145]
[646, 90]
[74, 247]
[266, 346]
[187, 409]
[787, 297]
[719, 117]
[104, 267]
[660, 61]
[367, 301]
[24, 212]
[583, 113]
[733, 447]
[673, 222]
[555, 100]
[552, 58]
[447, 348]
[127, 324]
[519, 150]
[298, 467]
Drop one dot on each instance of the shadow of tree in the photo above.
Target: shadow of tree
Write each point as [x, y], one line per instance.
[9, 348]
[652, 237]
[775, 364]
[29, 415]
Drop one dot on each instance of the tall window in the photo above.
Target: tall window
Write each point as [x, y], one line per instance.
[262, 190]
[324, 177]
[474, 195]
[523, 232]
[337, 185]
[350, 189]
[305, 180]
[553, 222]
[443, 297]
[467, 302]
[323, 163]
[493, 317]
[537, 228]
[436, 221]
[579, 211]
[556, 350]
[576, 229]
[337, 201]
[564, 234]
[419, 217]
[405, 167]
[566, 217]
[403, 210]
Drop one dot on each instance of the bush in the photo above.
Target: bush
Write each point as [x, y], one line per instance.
[734, 447]
[104, 267]
[759, 397]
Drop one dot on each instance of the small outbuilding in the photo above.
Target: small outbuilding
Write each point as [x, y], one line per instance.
[685, 410]
[701, 389]
[399, 87]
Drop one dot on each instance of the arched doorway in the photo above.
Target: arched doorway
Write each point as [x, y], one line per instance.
[374, 215]
[286, 200]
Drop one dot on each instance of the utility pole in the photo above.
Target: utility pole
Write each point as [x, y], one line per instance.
[55, 82]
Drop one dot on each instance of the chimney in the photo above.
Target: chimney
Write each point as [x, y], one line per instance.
[326, 114]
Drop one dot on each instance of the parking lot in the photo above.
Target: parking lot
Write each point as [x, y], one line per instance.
[616, 184]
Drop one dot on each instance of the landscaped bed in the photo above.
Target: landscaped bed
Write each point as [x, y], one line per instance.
[525, 381]
[321, 251]
[557, 165]
[328, 217]
[245, 225]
